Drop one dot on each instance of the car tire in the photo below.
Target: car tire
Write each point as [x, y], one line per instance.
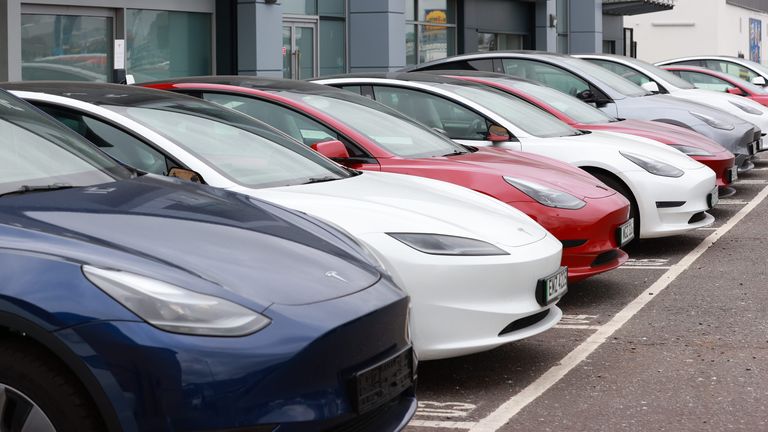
[621, 188]
[40, 392]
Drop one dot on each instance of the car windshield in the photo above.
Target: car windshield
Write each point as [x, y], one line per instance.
[35, 151]
[236, 146]
[382, 125]
[663, 74]
[616, 82]
[526, 117]
[579, 111]
[756, 66]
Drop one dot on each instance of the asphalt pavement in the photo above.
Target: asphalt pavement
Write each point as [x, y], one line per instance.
[675, 340]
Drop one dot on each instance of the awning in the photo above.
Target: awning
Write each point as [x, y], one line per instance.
[636, 7]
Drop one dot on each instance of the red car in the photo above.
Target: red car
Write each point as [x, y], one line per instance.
[589, 218]
[709, 79]
[583, 116]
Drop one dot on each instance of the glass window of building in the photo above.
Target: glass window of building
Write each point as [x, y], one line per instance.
[300, 7]
[499, 41]
[563, 26]
[305, 20]
[166, 44]
[66, 47]
[430, 30]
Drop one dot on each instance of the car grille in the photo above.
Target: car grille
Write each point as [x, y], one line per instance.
[524, 322]
[605, 258]
[698, 217]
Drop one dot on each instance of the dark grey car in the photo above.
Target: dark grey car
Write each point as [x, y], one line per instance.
[613, 94]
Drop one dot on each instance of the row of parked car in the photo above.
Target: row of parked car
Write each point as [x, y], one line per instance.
[221, 253]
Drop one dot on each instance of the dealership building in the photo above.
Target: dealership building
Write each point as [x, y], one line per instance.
[106, 40]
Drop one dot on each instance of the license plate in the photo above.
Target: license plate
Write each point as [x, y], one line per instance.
[552, 287]
[380, 383]
[626, 232]
[733, 174]
[713, 197]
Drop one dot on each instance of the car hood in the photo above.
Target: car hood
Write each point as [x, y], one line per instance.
[662, 106]
[200, 238]
[658, 131]
[603, 143]
[725, 102]
[374, 202]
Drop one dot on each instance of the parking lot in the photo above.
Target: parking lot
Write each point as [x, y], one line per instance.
[674, 340]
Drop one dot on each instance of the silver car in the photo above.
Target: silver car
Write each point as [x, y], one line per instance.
[613, 94]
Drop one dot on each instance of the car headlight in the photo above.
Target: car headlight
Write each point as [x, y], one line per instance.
[713, 122]
[438, 244]
[746, 108]
[653, 166]
[174, 309]
[545, 195]
[690, 151]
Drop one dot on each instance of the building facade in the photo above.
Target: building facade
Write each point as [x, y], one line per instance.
[697, 27]
[144, 40]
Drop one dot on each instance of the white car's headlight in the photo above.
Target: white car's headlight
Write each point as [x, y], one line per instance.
[546, 195]
[176, 309]
[746, 108]
[713, 122]
[690, 151]
[438, 244]
[653, 166]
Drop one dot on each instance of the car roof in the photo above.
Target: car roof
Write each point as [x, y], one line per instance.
[488, 54]
[255, 82]
[96, 93]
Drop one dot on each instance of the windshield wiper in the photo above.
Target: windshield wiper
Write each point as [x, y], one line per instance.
[38, 188]
[320, 179]
[455, 152]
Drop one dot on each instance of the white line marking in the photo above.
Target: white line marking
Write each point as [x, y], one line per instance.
[511, 407]
[576, 319]
[647, 262]
[707, 229]
[752, 181]
[759, 169]
[731, 202]
[443, 424]
[577, 327]
[444, 409]
[646, 267]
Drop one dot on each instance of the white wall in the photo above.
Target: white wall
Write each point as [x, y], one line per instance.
[696, 27]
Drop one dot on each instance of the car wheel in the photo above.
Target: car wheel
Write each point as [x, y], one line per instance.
[621, 188]
[40, 394]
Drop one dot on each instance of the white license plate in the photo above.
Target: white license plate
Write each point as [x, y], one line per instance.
[714, 198]
[734, 172]
[626, 232]
[554, 286]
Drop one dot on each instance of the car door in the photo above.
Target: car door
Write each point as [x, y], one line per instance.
[298, 125]
[460, 123]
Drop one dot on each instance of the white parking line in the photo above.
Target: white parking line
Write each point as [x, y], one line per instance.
[577, 327]
[511, 407]
[732, 202]
[752, 181]
[443, 424]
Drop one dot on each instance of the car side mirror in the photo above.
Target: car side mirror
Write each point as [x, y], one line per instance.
[334, 149]
[735, 91]
[498, 133]
[586, 96]
[760, 81]
[185, 174]
[651, 86]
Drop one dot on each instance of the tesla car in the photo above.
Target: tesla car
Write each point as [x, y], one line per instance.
[709, 79]
[745, 69]
[583, 116]
[613, 94]
[590, 219]
[136, 302]
[435, 238]
[670, 193]
[658, 80]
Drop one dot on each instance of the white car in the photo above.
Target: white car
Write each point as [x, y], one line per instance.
[670, 192]
[742, 68]
[473, 286]
[658, 80]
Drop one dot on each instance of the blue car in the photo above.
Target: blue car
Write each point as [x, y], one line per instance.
[133, 302]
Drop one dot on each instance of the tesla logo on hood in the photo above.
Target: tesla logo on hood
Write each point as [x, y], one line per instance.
[333, 274]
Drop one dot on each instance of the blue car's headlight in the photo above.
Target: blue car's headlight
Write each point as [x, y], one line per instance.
[653, 166]
[746, 108]
[713, 122]
[690, 151]
[545, 195]
[176, 309]
[438, 244]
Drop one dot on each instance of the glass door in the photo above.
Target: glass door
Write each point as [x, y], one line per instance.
[299, 49]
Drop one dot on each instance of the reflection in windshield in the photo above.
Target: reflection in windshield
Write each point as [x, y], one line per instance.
[616, 82]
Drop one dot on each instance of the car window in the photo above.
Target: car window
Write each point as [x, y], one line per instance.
[113, 141]
[699, 63]
[704, 81]
[572, 107]
[623, 71]
[434, 111]
[731, 69]
[552, 76]
[356, 89]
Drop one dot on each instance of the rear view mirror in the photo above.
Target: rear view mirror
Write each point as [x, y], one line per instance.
[651, 86]
[185, 174]
[758, 80]
[735, 91]
[331, 149]
[498, 133]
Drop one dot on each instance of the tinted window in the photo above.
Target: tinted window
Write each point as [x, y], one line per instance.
[623, 71]
[704, 81]
[116, 143]
[552, 76]
[434, 111]
[731, 69]
[617, 83]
